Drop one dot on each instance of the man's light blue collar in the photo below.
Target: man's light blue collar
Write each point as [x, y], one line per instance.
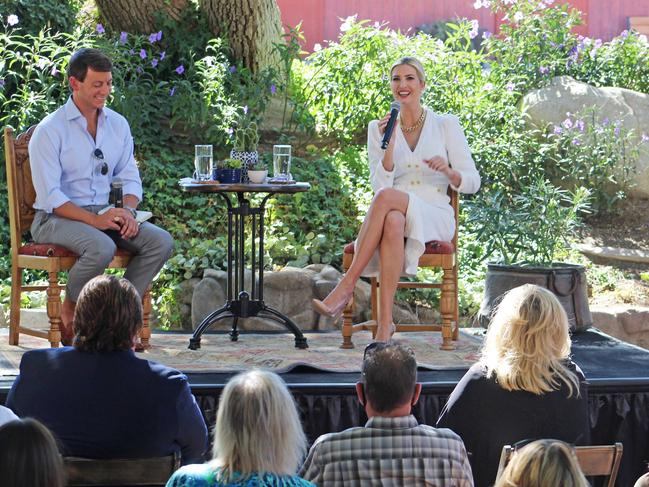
[72, 111]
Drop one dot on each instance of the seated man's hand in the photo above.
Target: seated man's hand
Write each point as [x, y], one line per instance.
[118, 219]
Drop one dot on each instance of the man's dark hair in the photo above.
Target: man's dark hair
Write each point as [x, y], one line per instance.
[108, 315]
[86, 58]
[389, 376]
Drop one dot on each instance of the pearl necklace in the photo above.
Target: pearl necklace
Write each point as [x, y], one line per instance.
[416, 125]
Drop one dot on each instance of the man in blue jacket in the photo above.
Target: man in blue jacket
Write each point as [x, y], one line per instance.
[97, 397]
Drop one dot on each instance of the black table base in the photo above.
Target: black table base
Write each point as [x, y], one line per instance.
[244, 307]
[240, 303]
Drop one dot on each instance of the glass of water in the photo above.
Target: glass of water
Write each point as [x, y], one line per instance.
[203, 162]
[282, 162]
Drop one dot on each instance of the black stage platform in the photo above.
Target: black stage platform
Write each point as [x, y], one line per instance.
[618, 374]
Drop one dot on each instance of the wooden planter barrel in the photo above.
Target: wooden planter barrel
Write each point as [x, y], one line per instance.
[566, 281]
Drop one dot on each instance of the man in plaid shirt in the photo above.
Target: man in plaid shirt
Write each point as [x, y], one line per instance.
[392, 448]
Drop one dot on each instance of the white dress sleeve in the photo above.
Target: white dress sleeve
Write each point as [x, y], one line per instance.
[379, 176]
[459, 155]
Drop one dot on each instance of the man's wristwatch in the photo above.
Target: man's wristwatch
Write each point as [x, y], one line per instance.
[133, 211]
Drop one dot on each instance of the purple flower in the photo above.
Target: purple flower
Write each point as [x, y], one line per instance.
[510, 86]
[12, 19]
[54, 71]
[153, 37]
[557, 130]
[180, 69]
[100, 29]
[606, 121]
[162, 55]
[159, 36]
[229, 131]
[154, 62]
[544, 70]
[486, 34]
[139, 70]
[518, 16]
[233, 69]
[576, 141]
[474, 29]
[172, 91]
[123, 37]
[617, 131]
[273, 89]
[580, 125]
[131, 52]
[142, 54]
[2, 82]
[645, 137]
[245, 110]
[624, 33]
[567, 123]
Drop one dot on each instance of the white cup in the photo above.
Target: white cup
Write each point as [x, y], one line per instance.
[202, 162]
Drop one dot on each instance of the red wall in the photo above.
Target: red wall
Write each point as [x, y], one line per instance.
[321, 18]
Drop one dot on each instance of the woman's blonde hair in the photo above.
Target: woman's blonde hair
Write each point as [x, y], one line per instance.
[542, 463]
[411, 61]
[257, 428]
[527, 342]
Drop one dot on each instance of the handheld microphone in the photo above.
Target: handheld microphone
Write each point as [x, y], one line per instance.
[389, 128]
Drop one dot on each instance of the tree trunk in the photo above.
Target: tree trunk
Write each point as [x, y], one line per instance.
[137, 17]
[251, 26]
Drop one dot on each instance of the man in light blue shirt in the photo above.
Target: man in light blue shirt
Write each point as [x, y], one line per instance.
[75, 153]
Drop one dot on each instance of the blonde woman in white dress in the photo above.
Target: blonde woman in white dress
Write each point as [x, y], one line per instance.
[426, 153]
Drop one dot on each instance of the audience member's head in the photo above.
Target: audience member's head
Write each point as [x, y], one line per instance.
[108, 315]
[258, 428]
[29, 455]
[528, 341]
[388, 378]
[543, 463]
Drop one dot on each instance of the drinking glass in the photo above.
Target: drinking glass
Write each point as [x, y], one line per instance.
[282, 162]
[203, 162]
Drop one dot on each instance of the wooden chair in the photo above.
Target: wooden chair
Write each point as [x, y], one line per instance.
[641, 24]
[47, 257]
[594, 461]
[437, 255]
[144, 471]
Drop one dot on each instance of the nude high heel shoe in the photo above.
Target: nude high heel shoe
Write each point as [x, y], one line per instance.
[336, 310]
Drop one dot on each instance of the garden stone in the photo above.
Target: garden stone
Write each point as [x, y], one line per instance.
[549, 105]
[289, 291]
[208, 296]
[401, 313]
[187, 290]
[185, 311]
[428, 315]
[627, 323]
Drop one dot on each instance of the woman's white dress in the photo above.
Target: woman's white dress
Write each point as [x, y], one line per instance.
[429, 215]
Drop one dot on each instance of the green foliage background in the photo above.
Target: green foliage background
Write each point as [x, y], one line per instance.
[185, 88]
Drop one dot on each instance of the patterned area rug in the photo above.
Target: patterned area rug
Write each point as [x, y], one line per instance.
[272, 351]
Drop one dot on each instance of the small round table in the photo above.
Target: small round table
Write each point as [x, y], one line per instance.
[240, 303]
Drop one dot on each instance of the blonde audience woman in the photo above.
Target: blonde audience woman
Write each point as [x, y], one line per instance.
[524, 387]
[258, 438]
[29, 455]
[543, 463]
[426, 153]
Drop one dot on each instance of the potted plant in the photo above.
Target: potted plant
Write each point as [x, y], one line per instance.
[257, 171]
[230, 173]
[528, 233]
[246, 140]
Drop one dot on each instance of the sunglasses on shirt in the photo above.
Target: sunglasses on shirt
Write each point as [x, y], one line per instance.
[102, 168]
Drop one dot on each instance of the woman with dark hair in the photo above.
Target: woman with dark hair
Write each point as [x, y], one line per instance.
[98, 397]
[524, 387]
[29, 455]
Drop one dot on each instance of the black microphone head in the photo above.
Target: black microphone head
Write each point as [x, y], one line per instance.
[396, 105]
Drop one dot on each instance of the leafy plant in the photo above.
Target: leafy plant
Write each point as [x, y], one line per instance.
[231, 163]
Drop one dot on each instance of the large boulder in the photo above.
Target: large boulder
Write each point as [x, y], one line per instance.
[550, 104]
